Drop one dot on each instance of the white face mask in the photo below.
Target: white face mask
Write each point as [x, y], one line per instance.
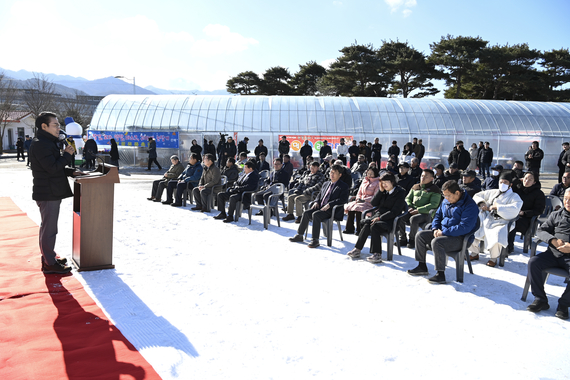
[503, 187]
[494, 173]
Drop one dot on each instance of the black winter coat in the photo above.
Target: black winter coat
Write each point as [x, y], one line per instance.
[48, 168]
[258, 150]
[461, 157]
[325, 149]
[90, 149]
[198, 150]
[283, 147]
[534, 202]
[306, 151]
[389, 205]
[406, 181]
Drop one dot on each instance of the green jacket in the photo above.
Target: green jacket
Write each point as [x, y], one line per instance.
[424, 197]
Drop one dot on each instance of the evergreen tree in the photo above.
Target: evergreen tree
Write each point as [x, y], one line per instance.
[557, 72]
[304, 81]
[275, 82]
[245, 83]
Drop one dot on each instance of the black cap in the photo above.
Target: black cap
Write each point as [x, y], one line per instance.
[498, 168]
[469, 173]
[439, 166]
[453, 165]
[404, 164]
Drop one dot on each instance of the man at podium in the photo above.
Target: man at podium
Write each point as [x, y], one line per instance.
[50, 186]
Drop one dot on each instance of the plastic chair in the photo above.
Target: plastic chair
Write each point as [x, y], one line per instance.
[554, 202]
[504, 251]
[272, 205]
[328, 225]
[545, 273]
[461, 256]
[221, 187]
[393, 234]
[187, 194]
[534, 222]
[239, 204]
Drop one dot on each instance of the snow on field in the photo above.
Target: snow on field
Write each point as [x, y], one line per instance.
[206, 300]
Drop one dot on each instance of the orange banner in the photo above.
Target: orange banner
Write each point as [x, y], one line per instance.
[315, 141]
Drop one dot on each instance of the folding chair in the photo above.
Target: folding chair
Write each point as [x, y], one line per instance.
[392, 235]
[272, 205]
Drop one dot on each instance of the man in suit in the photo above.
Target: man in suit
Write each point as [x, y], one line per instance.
[333, 192]
[247, 182]
[210, 178]
[278, 175]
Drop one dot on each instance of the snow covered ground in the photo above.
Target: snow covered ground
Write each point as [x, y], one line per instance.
[202, 299]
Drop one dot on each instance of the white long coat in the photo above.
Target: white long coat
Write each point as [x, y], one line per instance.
[493, 230]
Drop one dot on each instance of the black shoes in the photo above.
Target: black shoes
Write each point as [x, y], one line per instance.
[298, 220]
[420, 270]
[156, 200]
[228, 219]
[411, 244]
[166, 202]
[539, 305]
[297, 238]
[314, 244]
[259, 213]
[221, 215]
[403, 243]
[176, 204]
[196, 208]
[561, 312]
[439, 278]
[150, 199]
[57, 268]
[288, 217]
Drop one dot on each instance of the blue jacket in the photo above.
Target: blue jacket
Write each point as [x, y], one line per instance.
[192, 173]
[456, 219]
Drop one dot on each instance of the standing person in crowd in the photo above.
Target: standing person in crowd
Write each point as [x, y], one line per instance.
[90, 151]
[342, 151]
[407, 153]
[439, 179]
[497, 208]
[114, 154]
[534, 158]
[283, 147]
[473, 151]
[195, 148]
[50, 186]
[492, 182]
[564, 161]
[459, 156]
[71, 142]
[325, 150]
[554, 232]
[353, 152]
[485, 159]
[455, 218]
[210, 178]
[394, 151]
[389, 202]
[368, 153]
[419, 150]
[159, 185]
[27, 144]
[209, 147]
[242, 146]
[377, 152]
[560, 188]
[306, 152]
[422, 198]
[534, 202]
[188, 179]
[151, 153]
[230, 150]
[260, 148]
[361, 202]
[247, 182]
[20, 149]
[479, 149]
[333, 193]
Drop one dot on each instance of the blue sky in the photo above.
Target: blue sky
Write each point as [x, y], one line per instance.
[201, 44]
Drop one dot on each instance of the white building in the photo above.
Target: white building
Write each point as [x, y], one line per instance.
[17, 124]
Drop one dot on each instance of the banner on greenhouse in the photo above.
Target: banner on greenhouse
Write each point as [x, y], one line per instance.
[315, 141]
[135, 139]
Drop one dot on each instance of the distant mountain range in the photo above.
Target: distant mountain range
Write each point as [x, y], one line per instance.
[67, 85]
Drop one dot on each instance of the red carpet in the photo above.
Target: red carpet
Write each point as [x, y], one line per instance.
[50, 328]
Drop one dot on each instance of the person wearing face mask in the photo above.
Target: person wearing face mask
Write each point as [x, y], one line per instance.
[492, 182]
[459, 156]
[496, 208]
[534, 202]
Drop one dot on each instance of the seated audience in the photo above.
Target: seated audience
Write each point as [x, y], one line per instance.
[555, 232]
[492, 182]
[518, 168]
[210, 178]
[534, 202]
[422, 198]
[334, 192]
[173, 172]
[452, 174]
[301, 193]
[439, 179]
[361, 166]
[389, 202]
[415, 170]
[369, 186]
[287, 165]
[231, 171]
[262, 164]
[188, 179]
[247, 182]
[470, 183]
[455, 218]
[497, 208]
[560, 188]
[278, 175]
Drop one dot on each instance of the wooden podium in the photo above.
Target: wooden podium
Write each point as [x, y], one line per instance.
[93, 218]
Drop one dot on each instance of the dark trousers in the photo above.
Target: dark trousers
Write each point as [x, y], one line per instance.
[521, 225]
[342, 157]
[318, 217]
[28, 160]
[201, 197]
[180, 187]
[261, 197]
[484, 170]
[414, 221]
[73, 161]
[350, 221]
[353, 161]
[561, 172]
[375, 231]
[20, 152]
[425, 241]
[234, 199]
[151, 160]
[536, 265]
[115, 162]
[158, 187]
[49, 211]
